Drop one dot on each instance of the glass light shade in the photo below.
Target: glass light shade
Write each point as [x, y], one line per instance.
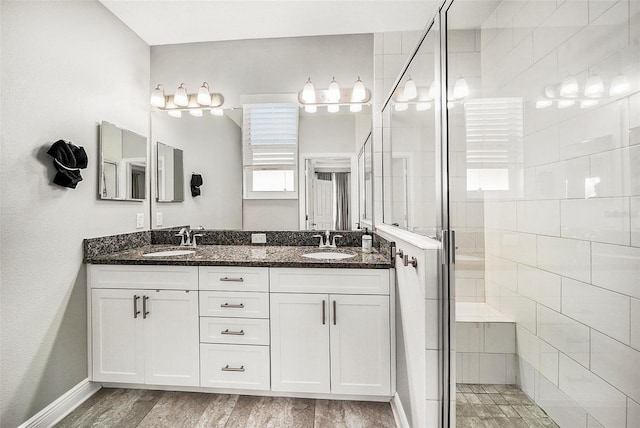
[196, 112]
[355, 108]
[175, 113]
[333, 94]
[410, 91]
[217, 111]
[594, 87]
[309, 92]
[181, 98]
[310, 109]
[157, 97]
[566, 103]
[432, 90]
[423, 106]
[543, 103]
[400, 106]
[216, 100]
[333, 108]
[588, 103]
[359, 93]
[569, 87]
[204, 96]
[549, 91]
[450, 105]
[460, 89]
[619, 85]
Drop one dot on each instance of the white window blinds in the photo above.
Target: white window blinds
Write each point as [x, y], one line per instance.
[270, 136]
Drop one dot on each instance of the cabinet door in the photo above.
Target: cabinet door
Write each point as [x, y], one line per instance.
[117, 336]
[360, 345]
[171, 338]
[300, 343]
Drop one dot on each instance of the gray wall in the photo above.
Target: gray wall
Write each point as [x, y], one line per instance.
[66, 66]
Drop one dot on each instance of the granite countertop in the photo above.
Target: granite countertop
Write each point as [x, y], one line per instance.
[245, 255]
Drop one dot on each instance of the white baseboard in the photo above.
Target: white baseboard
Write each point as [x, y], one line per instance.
[64, 405]
[398, 412]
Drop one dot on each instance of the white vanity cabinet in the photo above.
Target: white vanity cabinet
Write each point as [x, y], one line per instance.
[324, 340]
[144, 324]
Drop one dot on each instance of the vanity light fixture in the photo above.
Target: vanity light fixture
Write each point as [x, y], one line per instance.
[333, 108]
[594, 87]
[410, 90]
[181, 98]
[333, 97]
[204, 96]
[460, 89]
[619, 85]
[569, 87]
[183, 101]
[309, 92]
[157, 96]
[359, 92]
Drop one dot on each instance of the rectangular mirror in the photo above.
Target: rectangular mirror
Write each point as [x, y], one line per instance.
[169, 173]
[123, 164]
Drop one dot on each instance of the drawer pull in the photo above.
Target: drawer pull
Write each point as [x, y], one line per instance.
[234, 333]
[227, 279]
[144, 307]
[226, 305]
[232, 369]
[136, 312]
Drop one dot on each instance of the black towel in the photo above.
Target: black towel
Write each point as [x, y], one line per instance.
[68, 160]
[196, 182]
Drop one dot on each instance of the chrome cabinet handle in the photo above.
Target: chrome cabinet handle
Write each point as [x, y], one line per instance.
[144, 307]
[135, 306]
[226, 305]
[324, 312]
[399, 253]
[334, 312]
[227, 279]
[232, 369]
[413, 262]
[234, 333]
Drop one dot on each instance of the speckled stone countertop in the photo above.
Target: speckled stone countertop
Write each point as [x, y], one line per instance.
[245, 255]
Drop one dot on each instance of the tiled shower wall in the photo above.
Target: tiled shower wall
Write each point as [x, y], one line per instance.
[563, 255]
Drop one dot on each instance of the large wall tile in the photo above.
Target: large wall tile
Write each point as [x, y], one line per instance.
[519, 247]
[528, 346]
[493, 369]
[635, 221]
[567, 20]
[549, 360]
[502, 272]
[541, 147]
[617, 268]
[597, 397]
[598, 308]
[540, 217]
[635, 323]
[597, 219]
[519, 308]
[617, 171]
[469, 337]
[633, 414]
[562, 409]
[499, 337]
[564, 333]
[566, 257]
[613, 361]
[527, 378]
[562, 180]
[540, 285]
[500, 215]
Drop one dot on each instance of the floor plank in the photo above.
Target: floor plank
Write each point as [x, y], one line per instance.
[217, 413]
[177, 409]
[272, 412]
[353, 414]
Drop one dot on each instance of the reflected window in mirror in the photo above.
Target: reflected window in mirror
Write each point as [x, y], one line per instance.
[169, 173]
[123, 164]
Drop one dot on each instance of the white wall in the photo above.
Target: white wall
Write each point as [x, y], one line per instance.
[66, 66]
[266, 66]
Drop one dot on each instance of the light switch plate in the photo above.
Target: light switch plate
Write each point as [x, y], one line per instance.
[139, 220]
[258, 238]
[158, 219]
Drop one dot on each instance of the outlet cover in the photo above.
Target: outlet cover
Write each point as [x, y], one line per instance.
[258, 238]
[158, 219]
[139, 220]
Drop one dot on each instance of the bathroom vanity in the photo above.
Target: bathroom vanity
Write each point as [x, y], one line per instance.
[253, 320]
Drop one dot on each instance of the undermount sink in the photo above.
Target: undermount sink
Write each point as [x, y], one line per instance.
[169, 253]
[328, 255]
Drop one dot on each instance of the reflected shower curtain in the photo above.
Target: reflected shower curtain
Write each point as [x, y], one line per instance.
[342, 186]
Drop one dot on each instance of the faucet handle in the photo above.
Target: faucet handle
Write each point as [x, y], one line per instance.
[333, 243]
[193, 239]
[322, 244]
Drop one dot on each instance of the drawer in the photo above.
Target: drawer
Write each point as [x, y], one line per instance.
[234, 278]
[241, 331]
[143, 277]
[234, 305]
[234, 366]
[333, 281]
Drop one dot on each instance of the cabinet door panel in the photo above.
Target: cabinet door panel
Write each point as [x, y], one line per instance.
[172, 338]
[299, 343]
[117, 337]
[360, 345]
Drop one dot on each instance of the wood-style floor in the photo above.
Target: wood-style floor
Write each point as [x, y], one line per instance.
[124, 408]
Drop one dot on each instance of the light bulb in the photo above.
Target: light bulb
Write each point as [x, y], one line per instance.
[460, 89]
[175, 113]
[309, 92]
[588, 103]
[204, 96]
[310, 109]
[450, 105]
[569, 87]
[359, 93]
[566, 103]
[196, 112]
[216, 100]
[217, 111]
[410, 90]
[423, 106]
[181, 98]
[432, 91]
[157, 97]
[619, 85]
[333, 94]
[333, 108]
[401, 106]
[355, 108]
[543, 103]
[594, 87]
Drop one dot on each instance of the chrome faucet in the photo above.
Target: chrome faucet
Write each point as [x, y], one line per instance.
[325, 241]
[333, 243]
[185, 235]
[322, 243]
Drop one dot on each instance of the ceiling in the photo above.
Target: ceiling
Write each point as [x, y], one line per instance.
[161, 22]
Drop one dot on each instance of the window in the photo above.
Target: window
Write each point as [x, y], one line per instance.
[270, 151]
